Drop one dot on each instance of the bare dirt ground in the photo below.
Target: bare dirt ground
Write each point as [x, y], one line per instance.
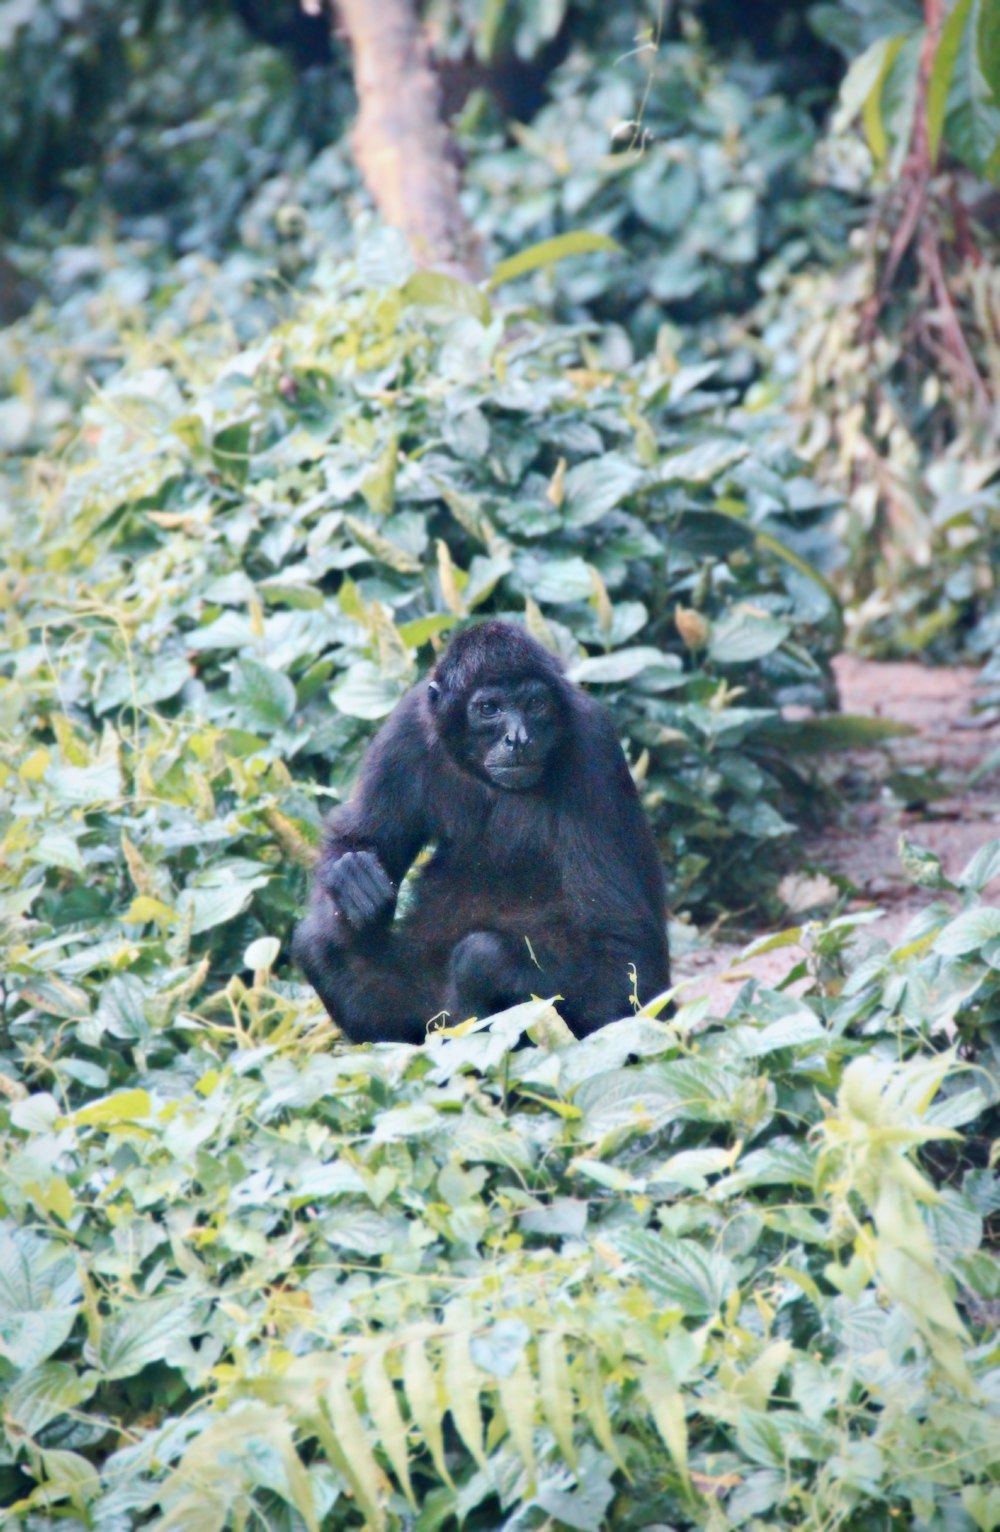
[950, 741]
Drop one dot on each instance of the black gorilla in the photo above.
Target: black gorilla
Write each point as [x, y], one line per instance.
[545, 879]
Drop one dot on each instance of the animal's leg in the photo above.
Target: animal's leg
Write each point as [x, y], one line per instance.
[376, 991]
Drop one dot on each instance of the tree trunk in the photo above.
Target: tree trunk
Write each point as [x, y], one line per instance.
[401, 146]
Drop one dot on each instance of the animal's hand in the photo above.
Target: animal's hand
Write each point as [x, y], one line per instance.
[361, 889]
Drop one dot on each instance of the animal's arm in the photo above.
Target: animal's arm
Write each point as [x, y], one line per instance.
[613, 865]
[370, 842]
[388, 812]
[614, 878]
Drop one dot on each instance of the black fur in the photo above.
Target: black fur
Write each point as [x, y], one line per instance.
[554, 888]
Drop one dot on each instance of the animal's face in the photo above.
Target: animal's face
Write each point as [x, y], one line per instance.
[511, 729]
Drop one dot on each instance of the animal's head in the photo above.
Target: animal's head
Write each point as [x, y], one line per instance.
[499, 702]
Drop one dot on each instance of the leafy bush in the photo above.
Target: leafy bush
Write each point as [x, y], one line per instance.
[891, 360]
[701, 168]
[746, 1274]
[168, 119]
[242, 561]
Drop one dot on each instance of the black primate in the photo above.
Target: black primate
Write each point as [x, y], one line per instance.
[545, 879]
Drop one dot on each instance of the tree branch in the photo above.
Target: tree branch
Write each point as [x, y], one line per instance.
[401, 146]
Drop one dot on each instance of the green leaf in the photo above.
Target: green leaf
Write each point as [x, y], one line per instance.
[100, 782]
[44, 1393]
[434, 289]
[799, 1028]
[922, 867]
[595, 1410]
[517, 1396]
[499, 1349]
[707, 534]
[982, 869]
[379, 484]
[596, 486]
[666, 1406]
[548, 251]
[422, 629]
[678, 1272]
[381, 548]
[30, 1337]
[988, 44]
[701, 464]
[871, 111]
[554, 580]
[380, 1397]
[624, 665]
[861, 90]
[69, 1475]
[423, 1396]
[461, 1383]
[835, 731]
[972, 125]
[743, 636]
[153, 1330]
[348, 1448]
[942, 71]
[556, 1392]
[968, 932]
[264, 698]
[808, 571]
[123, 1106]
[364, 692]
[219, 895]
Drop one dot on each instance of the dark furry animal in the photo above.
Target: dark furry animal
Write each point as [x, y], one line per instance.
[545, 879]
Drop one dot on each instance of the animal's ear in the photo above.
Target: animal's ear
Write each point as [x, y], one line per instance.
[433, 691]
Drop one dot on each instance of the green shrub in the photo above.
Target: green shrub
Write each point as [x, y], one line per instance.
[246, 557]
[742, 1280]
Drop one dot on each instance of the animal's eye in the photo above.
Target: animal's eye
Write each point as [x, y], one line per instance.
[536, 704]
[488, 709]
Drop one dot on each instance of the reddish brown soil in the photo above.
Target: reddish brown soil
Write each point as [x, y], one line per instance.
[949, 743]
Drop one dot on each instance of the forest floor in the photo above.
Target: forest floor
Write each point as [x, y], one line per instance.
[950, 740]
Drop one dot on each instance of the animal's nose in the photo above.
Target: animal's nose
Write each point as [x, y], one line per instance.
[516, 736]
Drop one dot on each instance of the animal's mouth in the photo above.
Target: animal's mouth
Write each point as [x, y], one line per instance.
[516, 777]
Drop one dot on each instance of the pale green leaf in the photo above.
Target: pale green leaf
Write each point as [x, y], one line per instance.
[435, 289]
[123, 1106]
[462, 1385]
[679, 1272]
[44, 1393]
[942, 71]
[556, 1392]
[548, 251]
[423, 1398]
[264, 698]
[742, 636]
[380, 1397]
[968, 932]
[152, 1330]
[354, 1455]
[517, 1396]
[666, 1405]
[596, 486]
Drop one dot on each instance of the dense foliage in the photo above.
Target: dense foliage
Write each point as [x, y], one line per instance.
[692, 1272]
[255, 549]
[250, 1281]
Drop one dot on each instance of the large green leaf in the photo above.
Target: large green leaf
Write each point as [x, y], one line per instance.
[596, 486]
[548, 251]
[972, 124]
[678, 1272]
[943, 69]
[264, 698]
[152, 1330]
[744, 635]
